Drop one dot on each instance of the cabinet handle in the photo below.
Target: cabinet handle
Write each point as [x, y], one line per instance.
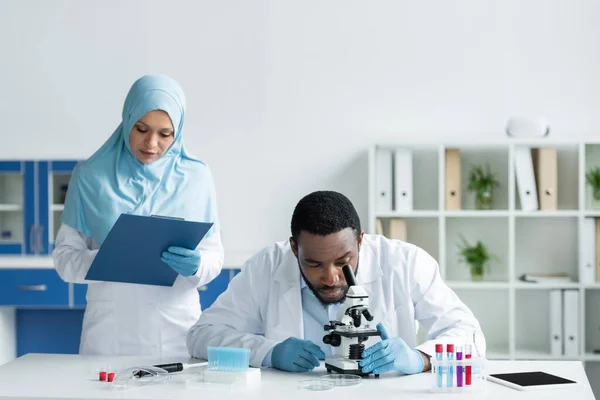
[32, 288]
[32, 239]
[40, 231]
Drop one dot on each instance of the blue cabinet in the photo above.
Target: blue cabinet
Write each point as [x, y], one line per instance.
[32, 195]
[49, 311]
[211, 291]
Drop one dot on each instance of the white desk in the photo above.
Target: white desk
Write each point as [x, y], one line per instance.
[40, 376]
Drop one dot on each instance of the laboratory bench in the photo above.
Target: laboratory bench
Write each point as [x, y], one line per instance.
[76, 377]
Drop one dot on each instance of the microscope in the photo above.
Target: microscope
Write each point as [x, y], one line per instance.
[348, 333]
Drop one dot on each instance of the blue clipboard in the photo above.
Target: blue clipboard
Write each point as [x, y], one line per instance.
[131, 252]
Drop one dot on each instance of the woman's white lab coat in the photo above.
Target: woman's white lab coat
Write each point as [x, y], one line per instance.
[130, 319]
[262, 305]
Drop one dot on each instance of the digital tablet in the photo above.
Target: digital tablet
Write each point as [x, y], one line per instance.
[534, 380]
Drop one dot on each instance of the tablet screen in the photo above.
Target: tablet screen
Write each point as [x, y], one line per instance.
[536, 378]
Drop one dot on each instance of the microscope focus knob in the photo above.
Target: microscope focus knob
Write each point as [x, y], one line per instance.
[332, 339]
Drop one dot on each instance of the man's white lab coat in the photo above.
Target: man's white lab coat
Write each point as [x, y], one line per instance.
[262, 305]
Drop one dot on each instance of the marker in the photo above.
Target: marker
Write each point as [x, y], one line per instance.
[450, 357]
[459, 368]
[439, 354]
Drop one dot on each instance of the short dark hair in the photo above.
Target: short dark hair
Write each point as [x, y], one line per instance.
[324, 213]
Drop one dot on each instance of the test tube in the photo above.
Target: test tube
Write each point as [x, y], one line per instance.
[459, 368]
[439, 355]
[450, 357]
[468, 366]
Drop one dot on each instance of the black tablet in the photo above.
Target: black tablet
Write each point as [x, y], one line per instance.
[533, 380]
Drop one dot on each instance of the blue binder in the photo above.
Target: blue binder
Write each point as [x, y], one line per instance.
[131, 252]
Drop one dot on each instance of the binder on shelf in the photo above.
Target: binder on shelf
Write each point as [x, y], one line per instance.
[546, 173]
[452, 179]
[597, 246]
[403, 180]
[588, 252]
[397, 229]
[556, 322]
[525, 179]
[571, 322]
[383, 188]
[379, 226]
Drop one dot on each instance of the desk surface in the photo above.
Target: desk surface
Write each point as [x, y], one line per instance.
[50, 376]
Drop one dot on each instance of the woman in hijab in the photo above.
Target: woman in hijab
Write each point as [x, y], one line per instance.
[142, 169]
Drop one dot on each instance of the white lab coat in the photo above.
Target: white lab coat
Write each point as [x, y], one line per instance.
[130, 319]
[262, 305]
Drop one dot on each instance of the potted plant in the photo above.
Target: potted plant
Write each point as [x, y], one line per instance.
[592, 177]
[476, 256]
[482, 182]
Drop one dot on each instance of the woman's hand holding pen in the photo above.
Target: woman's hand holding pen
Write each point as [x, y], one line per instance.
[184, 261]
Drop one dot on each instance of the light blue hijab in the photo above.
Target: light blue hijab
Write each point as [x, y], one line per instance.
[112, 181]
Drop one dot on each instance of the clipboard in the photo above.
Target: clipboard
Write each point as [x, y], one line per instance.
[132, 249]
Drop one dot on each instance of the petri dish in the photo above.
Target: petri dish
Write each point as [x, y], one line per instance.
[316, 385]
[342, 379]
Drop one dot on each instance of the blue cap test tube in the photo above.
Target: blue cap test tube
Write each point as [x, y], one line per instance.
[439, 355]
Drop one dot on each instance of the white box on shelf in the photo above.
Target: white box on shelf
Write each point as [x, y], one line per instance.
[403, 180]
[383, 194]
[571, 322]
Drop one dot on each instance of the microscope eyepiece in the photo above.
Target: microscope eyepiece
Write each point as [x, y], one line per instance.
[349, 275]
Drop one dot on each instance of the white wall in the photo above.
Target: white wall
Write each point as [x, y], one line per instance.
[284, 97]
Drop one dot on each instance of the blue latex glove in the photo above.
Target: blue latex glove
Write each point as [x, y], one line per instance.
[184, 261]
[296, 355]
[391, 354]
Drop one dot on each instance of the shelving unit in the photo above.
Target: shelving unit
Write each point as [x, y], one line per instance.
[524, 241]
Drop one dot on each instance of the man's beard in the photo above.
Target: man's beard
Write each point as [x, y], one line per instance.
[344, 288]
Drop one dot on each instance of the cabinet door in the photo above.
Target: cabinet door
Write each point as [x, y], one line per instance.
[12, 233]
[31, 204]
[211, 291]
[59, 175]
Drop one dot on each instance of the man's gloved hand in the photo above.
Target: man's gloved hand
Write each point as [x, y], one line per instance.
[184, 261]
[391, 354]
[296, 355]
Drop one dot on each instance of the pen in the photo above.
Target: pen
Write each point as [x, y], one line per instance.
[459, 368]
[450, 357]
[439, 354]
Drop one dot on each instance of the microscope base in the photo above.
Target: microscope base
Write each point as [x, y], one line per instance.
[345, 366]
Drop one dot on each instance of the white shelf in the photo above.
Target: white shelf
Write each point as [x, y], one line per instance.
[591, 357]
[523, 354]
[497, 356]
[409, 214]
[10, 207]
[524, 241]
[546, 285]
[477, 213]
[57, 207]
[537, 214]
[591, 286]
[477, 285]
